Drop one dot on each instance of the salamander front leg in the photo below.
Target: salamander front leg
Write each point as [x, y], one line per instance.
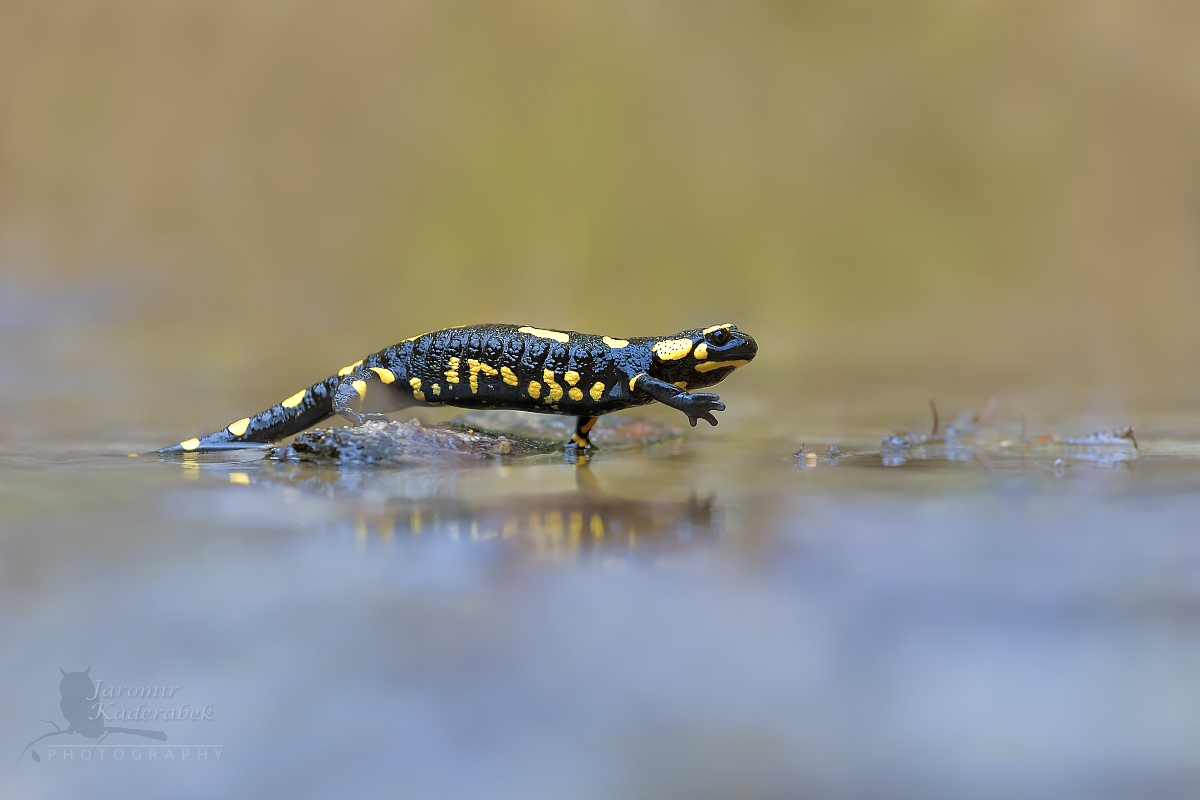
[696, 406]
[365, 394]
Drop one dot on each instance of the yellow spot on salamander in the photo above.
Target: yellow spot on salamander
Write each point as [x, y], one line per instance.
[509, 376]
[709, 366]
[239, 427]
[361, 388]
[475, 367]
[571, 376]
[575, 393]
[597, 391]
[344, 371]
[190, 444]
[239, 477]
[611, 342]
[556, 391]
[385, 375]
[295, 399]
[415, 383]
[718, 327]
[437, 390]
[542, 333]
[680, 384]
[452, 373]
[419, 395]
[535, 390]
[701, 351]
[633, 381]
[672, 349]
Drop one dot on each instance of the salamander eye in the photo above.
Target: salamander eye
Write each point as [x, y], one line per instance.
[718, 337]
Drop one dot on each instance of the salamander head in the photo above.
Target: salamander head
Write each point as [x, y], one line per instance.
[702, 358]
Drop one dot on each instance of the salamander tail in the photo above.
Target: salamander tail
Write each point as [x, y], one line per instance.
[302, 410]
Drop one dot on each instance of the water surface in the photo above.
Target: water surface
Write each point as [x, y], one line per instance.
[707, 617]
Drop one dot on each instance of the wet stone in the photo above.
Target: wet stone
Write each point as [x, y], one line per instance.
[612, 431]
[476, 437]
[400, 444]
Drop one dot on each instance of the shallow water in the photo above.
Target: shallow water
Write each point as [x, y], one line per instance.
[706, 617]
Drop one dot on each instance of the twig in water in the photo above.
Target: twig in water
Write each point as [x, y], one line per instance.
[987, 412]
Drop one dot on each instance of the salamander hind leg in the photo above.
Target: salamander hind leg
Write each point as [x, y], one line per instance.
[366, 394]
[582, 437]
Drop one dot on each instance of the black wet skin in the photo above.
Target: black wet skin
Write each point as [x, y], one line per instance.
[540, 370]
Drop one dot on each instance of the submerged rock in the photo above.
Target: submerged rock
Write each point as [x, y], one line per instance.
[398, 443]
[475, 437]
[613, 430]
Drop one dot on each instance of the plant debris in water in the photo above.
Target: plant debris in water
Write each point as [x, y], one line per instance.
[476, 437]
[969, 438]
[967, 424]
[1121, 436]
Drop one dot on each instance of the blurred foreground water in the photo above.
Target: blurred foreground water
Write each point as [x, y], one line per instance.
[709, 616]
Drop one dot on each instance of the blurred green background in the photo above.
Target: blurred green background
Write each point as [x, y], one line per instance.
[999, 195]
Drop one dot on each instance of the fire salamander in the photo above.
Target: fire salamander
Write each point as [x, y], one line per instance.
[509, 367]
